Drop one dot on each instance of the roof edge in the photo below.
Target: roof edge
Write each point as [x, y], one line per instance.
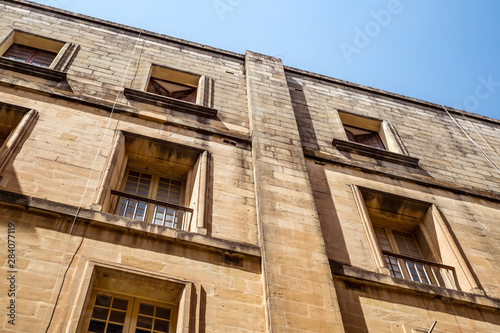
[143, 32]
[386, 93]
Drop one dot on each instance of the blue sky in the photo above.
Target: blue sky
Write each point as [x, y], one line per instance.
[442, 51]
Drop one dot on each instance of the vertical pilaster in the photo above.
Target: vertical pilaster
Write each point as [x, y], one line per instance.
[299, 290]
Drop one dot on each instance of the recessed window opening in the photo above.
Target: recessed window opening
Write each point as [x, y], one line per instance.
[366, 137]
[112, 312]
[166, 210]
[406, 231]
[119, 301]
[173, 83]
[171, 89]
[155, 181]
[30, 55]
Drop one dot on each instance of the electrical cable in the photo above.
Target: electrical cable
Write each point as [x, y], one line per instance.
[82, 199]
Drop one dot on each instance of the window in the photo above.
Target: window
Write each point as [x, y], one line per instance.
[30, 55]
[409, 239]
[112, 312]
[14, 123]
[166, 209]
[36, 55]
[175, 90]
[155, 181]
[184, 92]
[405, 260]
[174, 84]
[125, 301]
[365, 137]
[363, 130]
[369, 137]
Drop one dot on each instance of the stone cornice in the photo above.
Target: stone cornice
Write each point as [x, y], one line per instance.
[114, 222]
[135, 112]
[383, 280]
[401, 175]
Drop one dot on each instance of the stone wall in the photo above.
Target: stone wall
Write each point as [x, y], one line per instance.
[283, 241]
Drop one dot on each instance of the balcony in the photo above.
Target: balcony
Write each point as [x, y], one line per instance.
[420, 270]
[152, 211]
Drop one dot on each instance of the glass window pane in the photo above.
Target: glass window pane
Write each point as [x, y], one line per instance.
[161, 325]
[144, 322]
[382, 238]
[114, 328]
[100, 313]
[117, 316]
[97, 326]
[134, 173]
[103, 300]
[163, 313]
[120, 303]
[147, 309]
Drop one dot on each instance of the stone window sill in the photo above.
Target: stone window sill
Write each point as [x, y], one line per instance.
[378, 154]
[30, 69]
[170, 103]
[476, 297]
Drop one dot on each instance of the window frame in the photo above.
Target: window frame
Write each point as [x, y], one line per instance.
[151, 216]
[12, 141]
[153, 80]
[203, 106]
[464, 279]
[196, 192]
[132, 312]
[355, 137]
[56, 71]
[32, 52]
[138, 283]
[394, 152]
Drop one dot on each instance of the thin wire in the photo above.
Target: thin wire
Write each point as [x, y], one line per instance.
[474, 142]
[432, 327]
[480, 135]
[84, 193]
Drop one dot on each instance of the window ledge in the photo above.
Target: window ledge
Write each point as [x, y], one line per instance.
[110, 221]
[170, 103]
[375, 153]
[34, 70]
[475, 297]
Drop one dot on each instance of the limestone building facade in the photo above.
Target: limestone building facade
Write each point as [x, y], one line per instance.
[150, 184]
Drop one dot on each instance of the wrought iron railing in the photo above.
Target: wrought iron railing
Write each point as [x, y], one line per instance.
[420, 270]
[153, 211]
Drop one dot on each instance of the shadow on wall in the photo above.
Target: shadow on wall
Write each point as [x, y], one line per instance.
[365, 307]
[16, 125]
[329, 220]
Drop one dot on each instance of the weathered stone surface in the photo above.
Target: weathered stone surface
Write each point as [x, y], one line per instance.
[283, 243]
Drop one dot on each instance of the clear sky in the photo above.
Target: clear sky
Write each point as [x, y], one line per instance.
[442, 51]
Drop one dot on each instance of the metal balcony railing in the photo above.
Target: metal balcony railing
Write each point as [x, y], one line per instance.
[420, 270]
[153, 211]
